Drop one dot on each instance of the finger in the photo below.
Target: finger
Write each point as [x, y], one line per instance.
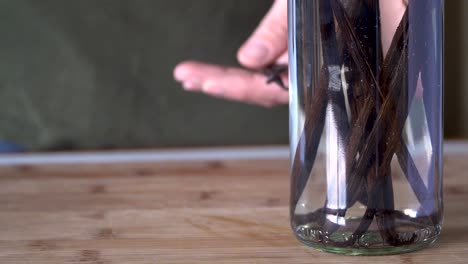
[230, 83]
[391, 14]
[268, 41]
[283, 59]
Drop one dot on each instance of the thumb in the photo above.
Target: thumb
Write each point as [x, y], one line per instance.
[269, 40]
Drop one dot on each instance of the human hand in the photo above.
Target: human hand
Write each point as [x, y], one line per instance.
[266, 46]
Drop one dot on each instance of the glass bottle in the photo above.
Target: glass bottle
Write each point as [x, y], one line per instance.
[366, 94]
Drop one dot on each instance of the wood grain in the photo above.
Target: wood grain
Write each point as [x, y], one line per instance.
[220, 211]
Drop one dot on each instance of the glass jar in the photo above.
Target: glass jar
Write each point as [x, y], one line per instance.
[366, 124]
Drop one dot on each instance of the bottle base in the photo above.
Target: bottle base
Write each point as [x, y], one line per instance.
[356, 251]
[369, 244]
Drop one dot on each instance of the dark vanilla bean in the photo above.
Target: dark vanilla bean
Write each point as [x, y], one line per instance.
[306, 151]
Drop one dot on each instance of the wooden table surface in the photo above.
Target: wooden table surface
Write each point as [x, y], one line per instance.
[222, 206]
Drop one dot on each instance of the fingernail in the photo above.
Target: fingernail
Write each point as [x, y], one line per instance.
[180, 73]
[191, 85]
[254, 51]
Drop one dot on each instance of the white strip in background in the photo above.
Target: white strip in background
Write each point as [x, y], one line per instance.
[196, 154]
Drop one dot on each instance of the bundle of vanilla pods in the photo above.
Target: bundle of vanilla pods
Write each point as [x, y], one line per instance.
[375, 107]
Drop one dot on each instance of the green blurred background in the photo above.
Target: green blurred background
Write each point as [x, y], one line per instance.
[97, 74]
